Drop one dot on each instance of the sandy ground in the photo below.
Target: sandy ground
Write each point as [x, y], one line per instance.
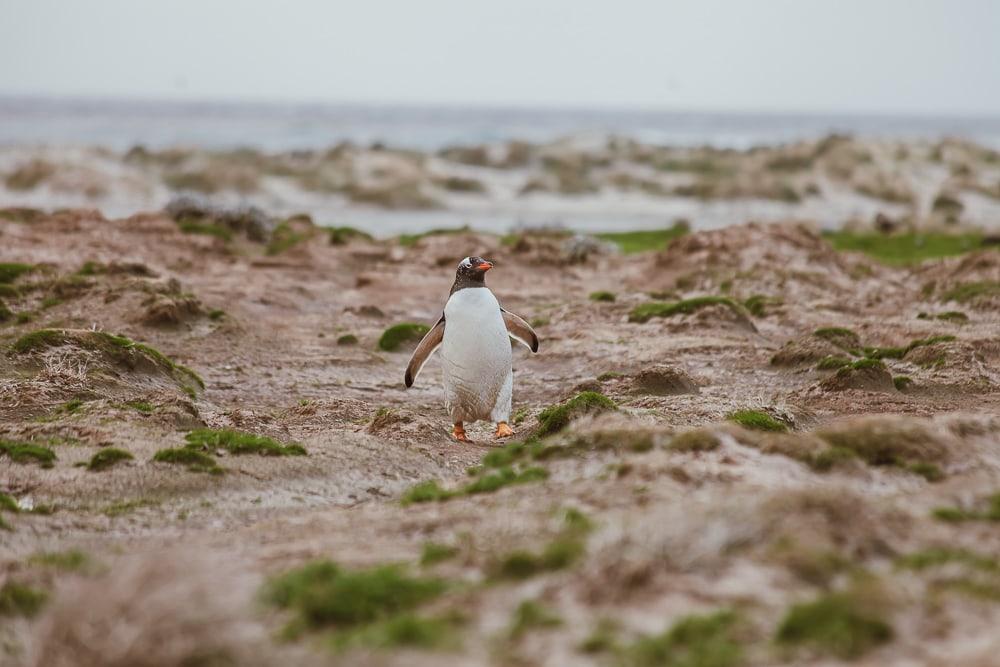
[176, 558]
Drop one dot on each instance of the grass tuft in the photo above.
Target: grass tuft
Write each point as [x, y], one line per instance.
[693, 641]
[838, 624]
[108, 458]
[11, 271]
[239, 443]
[21, 600]
[195, 461]
[607, 297]
[966, 292]
[436, 553]
[531, 615]
[908, 248]
[640, 241]
[24, 452]
[555, 418]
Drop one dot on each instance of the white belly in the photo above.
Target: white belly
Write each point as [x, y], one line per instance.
[476, 357]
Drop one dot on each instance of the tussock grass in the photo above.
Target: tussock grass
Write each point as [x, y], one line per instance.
[11, 271]
[968, 292]
[195, 461]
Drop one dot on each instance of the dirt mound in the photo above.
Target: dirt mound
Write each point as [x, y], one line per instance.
[774, 259]
[663, 380]
[971, 281]
[821, 343]
[866, 375]
[953, 365]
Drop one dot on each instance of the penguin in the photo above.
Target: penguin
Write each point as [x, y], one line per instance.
[473, 334]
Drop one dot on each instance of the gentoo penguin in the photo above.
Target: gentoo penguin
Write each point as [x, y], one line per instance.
[475, 351]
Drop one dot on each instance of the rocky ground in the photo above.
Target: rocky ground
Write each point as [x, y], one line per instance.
[745, 448]
[585, 183]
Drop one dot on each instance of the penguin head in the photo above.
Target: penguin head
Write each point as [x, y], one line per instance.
[472, 269]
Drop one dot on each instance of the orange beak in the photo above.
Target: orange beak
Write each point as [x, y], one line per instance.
[485, 266]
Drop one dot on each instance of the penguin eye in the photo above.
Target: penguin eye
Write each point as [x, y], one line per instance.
[467, 263]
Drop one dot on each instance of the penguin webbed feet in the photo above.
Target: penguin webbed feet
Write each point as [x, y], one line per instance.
[503, 430]
[458, 432]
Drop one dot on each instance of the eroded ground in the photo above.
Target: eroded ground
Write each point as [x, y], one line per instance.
[853, 515]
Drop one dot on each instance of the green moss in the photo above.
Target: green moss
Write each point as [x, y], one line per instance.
[72, 560]
[344, 235]
[929, 471]
[557, 555]
[646, 311]
[953, 316]
[239, 443]
[758, 303]
[6, 314]
[128, 506]
[609, 375]
[836, 335]
[108, 458]
[602, 639]
[861, 364]
[398, 334]
[283, 238]
[23, 452]
[555, 418]
[530, 616]
[205, 228]
[425, 492]
[900, 352]
[695, 440]
[936, 557]
[956, 514]
[602, 296]
[21, 600]
[402, 631]
[11, 271]
[436, 553]
[693, 641]
[902, 382]
[908, 248]
[641, 241]
[8, 504]
[195, 461]
[576, 522]
[838, 624]
[967, 292]
[832, 363]
[757, 420]
[347, 339]
[323, 595]
[216, 314]
[144, 407]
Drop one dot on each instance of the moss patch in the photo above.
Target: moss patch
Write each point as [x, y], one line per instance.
[108, 458]
[195, 460]
[557, 555]
[399, 334]
[991, 512]
[239, 443]
[832, 363]
[24, 452]
[555, 418]
[839, 624]
[21, 600]
[695, 641]
[647, 311]
[433, 553]
[347, 339]
[641, 241]
[607, 297]
[909, 248]
[325, 596]
[11, 271]
[531, 616]
[756, 420]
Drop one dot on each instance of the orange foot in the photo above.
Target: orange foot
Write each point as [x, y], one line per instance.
[504, 431]
[458, 432]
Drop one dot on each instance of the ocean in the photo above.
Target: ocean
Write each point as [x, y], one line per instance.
[120, 125]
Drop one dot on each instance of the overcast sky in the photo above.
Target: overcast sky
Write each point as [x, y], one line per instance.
[915, 56]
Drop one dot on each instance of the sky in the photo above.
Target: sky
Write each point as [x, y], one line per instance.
[881, 56]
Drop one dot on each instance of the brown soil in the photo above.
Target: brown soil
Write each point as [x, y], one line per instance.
[733, 519]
